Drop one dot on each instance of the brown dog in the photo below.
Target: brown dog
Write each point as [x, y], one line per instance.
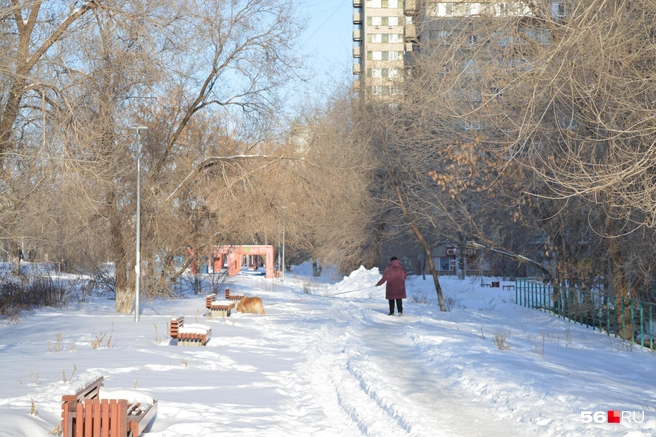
[251, 305]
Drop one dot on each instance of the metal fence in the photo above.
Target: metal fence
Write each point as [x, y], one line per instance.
[630, 319]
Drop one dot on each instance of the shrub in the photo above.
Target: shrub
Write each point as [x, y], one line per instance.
[25, 293]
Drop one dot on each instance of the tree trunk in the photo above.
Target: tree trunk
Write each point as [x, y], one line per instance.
[424, 244]
[622, 307]
[124, 293]
[14, 258]
[316, 269]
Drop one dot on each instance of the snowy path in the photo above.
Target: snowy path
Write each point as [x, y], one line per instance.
[378, 386]
[323, 367]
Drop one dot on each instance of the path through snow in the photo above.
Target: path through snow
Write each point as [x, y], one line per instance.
[321, 366]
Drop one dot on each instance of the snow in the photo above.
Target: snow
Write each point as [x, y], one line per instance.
[360, 284]
[322, 363]
[194, 328]
[132, 396]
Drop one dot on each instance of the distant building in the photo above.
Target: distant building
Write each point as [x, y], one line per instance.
[388, 33]
[382, 35]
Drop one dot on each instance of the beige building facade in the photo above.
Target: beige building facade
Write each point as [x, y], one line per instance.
[387, 33]
[381, 41]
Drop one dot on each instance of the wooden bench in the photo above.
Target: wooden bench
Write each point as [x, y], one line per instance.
[508, 287]
[190, 335]
[216, 308]
[485, 284]
[84, 414]
[233, 297]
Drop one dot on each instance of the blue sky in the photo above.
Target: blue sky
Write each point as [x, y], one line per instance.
[328, 39]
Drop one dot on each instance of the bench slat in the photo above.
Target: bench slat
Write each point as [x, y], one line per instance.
[88, 418]
[79, 415]
[96, 417]
[104, 414]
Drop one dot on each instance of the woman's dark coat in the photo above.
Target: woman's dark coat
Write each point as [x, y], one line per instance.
[395, 276]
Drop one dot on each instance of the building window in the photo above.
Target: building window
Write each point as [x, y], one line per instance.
[377, 90]
[374, 55]
[392, 73]
[559, 9]
[375, 37]
[440, 37]
[456, 9]
[474, 9]
[436, 10]
[374, 21]
[376, 72]
[472, 40]
[506, 40]
[472, 125]
[374, 3]
[497, 93]
[393, 21]
[393, 56]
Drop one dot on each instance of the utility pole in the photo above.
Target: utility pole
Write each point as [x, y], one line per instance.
[137, 264]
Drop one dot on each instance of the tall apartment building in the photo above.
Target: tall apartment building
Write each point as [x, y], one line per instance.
[382, 34]
[387, 32]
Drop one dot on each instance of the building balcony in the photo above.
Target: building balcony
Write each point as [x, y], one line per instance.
[356, 85]
[408, 47]
[357, 68]
[357, 52]
[410, 7]
[410, 32]
[357, 18]
[357, 35]
[357, 3]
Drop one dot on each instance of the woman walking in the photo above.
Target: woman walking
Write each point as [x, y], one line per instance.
[394, 276]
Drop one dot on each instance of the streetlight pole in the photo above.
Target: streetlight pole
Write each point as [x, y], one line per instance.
[137, 264]
[282, 267]
[283, 251]
[279, 263]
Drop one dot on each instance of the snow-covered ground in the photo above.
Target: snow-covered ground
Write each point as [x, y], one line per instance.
[327, 360]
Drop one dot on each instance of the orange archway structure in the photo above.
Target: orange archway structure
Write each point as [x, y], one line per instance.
[234, 254]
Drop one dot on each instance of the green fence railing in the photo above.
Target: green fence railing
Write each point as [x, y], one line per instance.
[631, 319]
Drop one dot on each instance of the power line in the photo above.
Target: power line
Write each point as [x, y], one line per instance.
[325, 21]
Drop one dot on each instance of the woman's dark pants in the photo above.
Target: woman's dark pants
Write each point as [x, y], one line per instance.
[399, 305]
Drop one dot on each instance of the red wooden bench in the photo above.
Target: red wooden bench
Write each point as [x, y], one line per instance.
[234, 297]
[84, 414]
[190, 335]
[217, 308]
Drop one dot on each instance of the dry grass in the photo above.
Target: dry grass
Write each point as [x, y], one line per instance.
[419, 297]
[501, 340]
[58, 346]
[100, 343]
